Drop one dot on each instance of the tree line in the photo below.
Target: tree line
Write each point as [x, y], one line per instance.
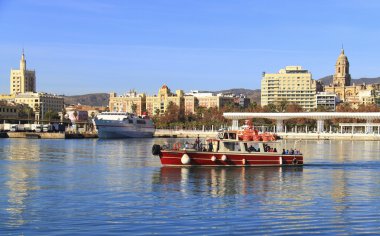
[175, 118]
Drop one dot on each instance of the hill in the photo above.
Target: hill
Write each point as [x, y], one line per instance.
[254, 95]
[328, 80]
[93, 99]
[102, 99]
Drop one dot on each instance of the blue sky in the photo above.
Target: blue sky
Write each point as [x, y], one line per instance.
[86, 46]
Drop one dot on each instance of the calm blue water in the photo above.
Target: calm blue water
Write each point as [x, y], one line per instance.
[92, 187]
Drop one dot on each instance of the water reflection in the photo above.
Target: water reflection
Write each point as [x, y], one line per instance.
[339, 190]
[68, 184]
[223, 181]
[137, 151]
[19, 185]
[19, 180]
[337, 151]
[22, 149]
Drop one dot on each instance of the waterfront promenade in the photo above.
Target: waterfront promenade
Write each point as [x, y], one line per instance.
[179, 133]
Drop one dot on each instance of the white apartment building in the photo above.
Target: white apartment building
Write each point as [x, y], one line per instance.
[292, 84]
[327, 100]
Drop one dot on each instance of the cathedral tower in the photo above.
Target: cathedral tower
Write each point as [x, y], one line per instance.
[342, 75]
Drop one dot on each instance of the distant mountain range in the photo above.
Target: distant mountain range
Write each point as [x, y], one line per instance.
[253, 94]
[93, 99]
[328, 80]
[102, 99]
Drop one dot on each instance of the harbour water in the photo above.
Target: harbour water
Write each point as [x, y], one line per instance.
[92, 187]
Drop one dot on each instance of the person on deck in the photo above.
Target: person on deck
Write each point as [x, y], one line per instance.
[251, 149]
[210, 146]
[197, 144]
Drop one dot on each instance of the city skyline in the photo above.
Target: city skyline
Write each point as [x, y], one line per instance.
[79, 47]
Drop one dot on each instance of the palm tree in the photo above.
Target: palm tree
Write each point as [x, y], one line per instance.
[134, 108]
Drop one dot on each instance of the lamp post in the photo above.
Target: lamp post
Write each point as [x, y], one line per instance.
[42, 111]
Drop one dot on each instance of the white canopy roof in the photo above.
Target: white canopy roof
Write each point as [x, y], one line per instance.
[308, 115]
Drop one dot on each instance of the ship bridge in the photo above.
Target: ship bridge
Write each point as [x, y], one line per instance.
[320, 117]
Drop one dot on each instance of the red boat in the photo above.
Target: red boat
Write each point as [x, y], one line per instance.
[228, 150]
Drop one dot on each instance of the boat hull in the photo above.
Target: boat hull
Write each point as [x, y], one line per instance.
[109, 132]
[175, 158]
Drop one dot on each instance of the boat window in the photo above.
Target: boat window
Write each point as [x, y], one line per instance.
[142, 122]
[269, 147]
[252, 147]
[130, 121]
[230, 146]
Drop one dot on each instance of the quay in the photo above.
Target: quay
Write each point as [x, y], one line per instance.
[167, 133]
[171, 133]
[47, 135]
[330, 136]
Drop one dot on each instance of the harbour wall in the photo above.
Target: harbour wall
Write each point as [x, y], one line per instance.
[163, 133]
[35, 135]
[46, 135]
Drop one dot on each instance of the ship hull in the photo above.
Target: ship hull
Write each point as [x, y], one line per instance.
[119, 131]
[175, 158]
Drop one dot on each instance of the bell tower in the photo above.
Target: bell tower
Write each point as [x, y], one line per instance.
[23, 62]
[342, 75]
[22, 80]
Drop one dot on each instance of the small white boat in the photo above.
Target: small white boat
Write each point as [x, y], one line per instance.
[123, 125]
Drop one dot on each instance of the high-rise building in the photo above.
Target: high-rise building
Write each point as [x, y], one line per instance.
[22, 80]
[292, 84]
[23, 91]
